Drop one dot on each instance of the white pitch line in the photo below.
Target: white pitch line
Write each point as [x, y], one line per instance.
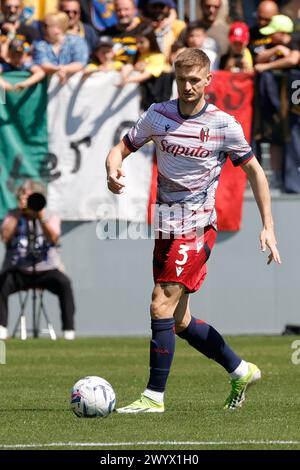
[147, 443]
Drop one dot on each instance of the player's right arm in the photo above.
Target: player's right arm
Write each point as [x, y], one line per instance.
[137, 136]
[114, 170]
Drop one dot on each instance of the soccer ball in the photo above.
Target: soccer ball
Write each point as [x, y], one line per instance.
[91, 397]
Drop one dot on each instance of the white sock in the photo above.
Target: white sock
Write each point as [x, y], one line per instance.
[156, 396]
[3, 332]
[241, 370]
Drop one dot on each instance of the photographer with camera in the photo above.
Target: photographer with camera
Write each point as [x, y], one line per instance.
[31, 235]
[239, 58]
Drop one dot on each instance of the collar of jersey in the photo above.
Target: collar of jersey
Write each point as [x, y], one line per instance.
[194, 115]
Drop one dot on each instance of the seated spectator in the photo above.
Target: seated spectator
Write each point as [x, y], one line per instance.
[125, 31]
[283, 52]
[168, 21]
[149, 70]
[239, 57]
[195, 36]
[216, 27]
[84, 30]
[158, 11]
[12, 26]
[60, 53]
[31, 258]
[103, 57]
[101, 14]
[264, 13]
[18, 59]
[149, 61]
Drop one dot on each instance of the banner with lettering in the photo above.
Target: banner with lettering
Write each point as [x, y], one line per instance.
[86, 119]
[233, 93]
[23, 138]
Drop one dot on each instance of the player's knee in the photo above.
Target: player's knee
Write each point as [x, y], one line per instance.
[164, 301]
[158, 310]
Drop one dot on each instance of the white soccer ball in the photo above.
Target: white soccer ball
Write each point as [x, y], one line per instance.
[91, 397]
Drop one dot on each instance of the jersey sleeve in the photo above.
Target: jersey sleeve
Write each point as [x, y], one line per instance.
[236, 145]
[141, 132]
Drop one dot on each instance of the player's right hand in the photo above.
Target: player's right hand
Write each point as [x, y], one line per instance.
[267, 239]
[114, 182]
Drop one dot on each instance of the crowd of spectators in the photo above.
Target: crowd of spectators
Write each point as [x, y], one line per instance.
[141, 39]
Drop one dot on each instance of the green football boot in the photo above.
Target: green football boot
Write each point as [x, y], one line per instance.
[239, 386]
[143, 405]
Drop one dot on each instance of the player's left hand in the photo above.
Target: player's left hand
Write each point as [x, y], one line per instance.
[267, 239]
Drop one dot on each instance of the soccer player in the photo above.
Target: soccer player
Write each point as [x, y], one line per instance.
[193, 140]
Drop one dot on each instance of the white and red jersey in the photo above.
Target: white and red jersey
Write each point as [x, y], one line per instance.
[191, 151]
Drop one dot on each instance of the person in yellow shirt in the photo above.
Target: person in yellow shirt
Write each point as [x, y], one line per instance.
[103, 58]
[148, 70]
[149, 61]
[159, 13]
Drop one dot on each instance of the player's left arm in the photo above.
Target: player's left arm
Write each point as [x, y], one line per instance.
[260, 188]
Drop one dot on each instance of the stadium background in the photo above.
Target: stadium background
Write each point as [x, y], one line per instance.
[112, 278]
[241, 295]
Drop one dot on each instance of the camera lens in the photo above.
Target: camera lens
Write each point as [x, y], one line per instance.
[36, 202]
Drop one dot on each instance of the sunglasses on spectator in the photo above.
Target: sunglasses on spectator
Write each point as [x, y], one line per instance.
[263, 18]
[11, 7]
[75, 12]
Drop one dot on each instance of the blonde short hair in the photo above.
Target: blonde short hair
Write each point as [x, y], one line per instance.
[192, 57]
[60, 18]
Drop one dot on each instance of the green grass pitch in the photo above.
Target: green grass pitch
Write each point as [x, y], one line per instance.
[38, 376]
